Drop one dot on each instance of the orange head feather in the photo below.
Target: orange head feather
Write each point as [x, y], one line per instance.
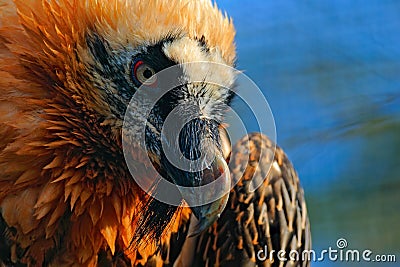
[65, 81]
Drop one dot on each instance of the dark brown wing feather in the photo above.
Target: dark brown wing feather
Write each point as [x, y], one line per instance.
[274, 217]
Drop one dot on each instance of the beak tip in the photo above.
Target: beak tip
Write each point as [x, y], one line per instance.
[199, 226]
[204, 216]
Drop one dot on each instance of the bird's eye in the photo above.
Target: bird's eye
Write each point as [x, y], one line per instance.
[143, 73]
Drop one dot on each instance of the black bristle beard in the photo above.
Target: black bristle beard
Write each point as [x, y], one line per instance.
[154, 217]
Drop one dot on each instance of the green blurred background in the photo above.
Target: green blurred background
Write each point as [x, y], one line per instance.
[331, 73]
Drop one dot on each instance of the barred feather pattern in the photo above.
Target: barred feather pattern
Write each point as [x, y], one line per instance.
[272, 218]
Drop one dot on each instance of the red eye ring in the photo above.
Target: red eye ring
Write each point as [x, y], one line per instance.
[136, 66]
[143, 73]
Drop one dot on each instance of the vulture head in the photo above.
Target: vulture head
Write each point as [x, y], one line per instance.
[93, 57]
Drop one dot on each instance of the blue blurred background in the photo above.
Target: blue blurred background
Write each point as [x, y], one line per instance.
[331, 73]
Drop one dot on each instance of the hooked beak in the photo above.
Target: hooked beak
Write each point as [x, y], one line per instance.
[206, 189]
[207, 214]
